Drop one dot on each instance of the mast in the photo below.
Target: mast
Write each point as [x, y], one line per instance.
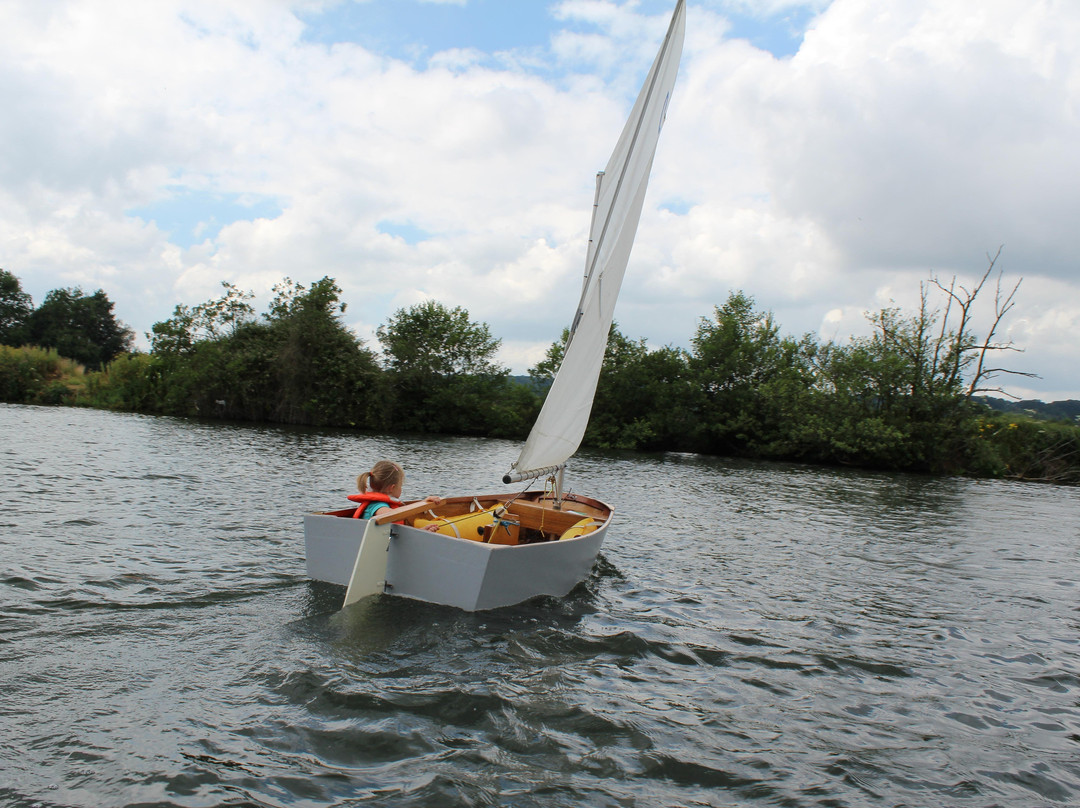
[589, 253]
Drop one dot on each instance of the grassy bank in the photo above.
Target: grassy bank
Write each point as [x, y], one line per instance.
[30, 375]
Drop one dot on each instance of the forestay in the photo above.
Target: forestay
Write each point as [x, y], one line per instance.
[620, 193]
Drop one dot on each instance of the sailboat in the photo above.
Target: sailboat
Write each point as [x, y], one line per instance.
[488, 551]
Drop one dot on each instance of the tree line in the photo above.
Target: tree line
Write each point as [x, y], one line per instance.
[902, 398]
[79, 326]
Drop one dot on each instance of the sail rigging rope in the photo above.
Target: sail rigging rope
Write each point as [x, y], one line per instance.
[503, 508]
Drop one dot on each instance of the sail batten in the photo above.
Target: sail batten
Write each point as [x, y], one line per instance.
[620, 194]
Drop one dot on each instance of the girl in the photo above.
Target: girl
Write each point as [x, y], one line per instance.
[381, 488]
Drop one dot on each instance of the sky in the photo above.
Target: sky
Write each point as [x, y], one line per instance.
[826, 157]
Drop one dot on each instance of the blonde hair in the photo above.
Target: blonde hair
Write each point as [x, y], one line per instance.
[383, 475]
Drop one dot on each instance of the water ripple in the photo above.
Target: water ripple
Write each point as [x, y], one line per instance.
[768, 634]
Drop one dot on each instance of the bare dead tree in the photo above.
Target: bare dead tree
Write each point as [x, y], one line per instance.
[962, 348]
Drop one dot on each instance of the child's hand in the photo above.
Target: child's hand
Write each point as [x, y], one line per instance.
[433, 500]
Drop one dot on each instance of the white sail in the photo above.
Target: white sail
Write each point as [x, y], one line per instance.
[620, 193]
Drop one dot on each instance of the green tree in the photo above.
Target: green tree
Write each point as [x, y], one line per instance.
[643, 397]
[299, 364]
[620, 417]
[80, 327]
[741, 366]
[434, 341]
[442, 372]
[196, 370]
[850, 416]
[15, 310]
[206, 321]
[323, 372]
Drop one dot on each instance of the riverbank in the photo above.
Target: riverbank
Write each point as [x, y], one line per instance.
[984, 443]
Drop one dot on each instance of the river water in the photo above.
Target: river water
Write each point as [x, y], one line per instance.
[753, 634]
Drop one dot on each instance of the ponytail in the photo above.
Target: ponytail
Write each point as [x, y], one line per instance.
[383, 475]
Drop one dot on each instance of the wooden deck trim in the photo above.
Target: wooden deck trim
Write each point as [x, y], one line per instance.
[546, 519]
[384, 515]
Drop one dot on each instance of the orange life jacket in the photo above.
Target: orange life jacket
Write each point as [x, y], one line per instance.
[365, 510]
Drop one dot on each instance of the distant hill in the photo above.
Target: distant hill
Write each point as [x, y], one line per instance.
[1068, 410]
[535, 384]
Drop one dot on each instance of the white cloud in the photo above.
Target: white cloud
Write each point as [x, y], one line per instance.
[905, 138]
[766, 9]
[926, 132]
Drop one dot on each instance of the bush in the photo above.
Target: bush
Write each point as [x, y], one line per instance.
[30, 375]
[130, 383]
[1022, 448]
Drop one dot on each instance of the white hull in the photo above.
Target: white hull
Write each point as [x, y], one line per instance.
[444, 569]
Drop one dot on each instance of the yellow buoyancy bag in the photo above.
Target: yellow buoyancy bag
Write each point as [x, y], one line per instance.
[468, 526]
[582, 528]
